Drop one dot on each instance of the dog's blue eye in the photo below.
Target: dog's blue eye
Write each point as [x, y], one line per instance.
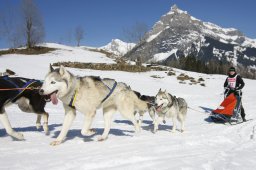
[53, 82]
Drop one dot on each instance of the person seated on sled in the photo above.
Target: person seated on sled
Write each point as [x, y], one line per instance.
[234, 84]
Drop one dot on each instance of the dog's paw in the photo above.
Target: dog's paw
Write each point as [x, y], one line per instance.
[38, 126]
[46, 129]
[173, 131]
[154, 131]
[17, 135]
[101, 138]
[138, 130]
[47, 133]
[55, 143]
[89, 132]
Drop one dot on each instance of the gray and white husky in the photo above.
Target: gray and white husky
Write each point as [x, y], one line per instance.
[86, 95]
[169, 106]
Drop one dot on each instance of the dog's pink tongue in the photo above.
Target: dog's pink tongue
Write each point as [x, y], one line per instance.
[54, 99]
[158, 109]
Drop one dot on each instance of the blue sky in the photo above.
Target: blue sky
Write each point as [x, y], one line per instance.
[104, 20]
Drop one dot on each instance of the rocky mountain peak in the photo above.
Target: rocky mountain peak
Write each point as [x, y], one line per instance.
[176, 10]
[179, 34]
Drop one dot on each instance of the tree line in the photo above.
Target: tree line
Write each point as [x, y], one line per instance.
[191, 63]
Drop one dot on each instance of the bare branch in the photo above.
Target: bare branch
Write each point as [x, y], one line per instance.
[79, 34]
[136, 32]
[32, 23]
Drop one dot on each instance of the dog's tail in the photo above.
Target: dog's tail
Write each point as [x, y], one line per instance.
[183, 106]
[140, 105]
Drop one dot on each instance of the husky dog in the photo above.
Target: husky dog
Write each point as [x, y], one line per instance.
[27, 100]
[86, 95]
[149, 101]
[171, 107]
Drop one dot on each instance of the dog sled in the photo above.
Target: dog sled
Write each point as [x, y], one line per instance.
[229, 110]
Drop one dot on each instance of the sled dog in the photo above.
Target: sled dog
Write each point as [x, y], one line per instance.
[86, 95]
[149, 101]
[169, 106]
[27, 100]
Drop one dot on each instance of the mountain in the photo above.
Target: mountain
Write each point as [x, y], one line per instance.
[118, 47]
[179, 34]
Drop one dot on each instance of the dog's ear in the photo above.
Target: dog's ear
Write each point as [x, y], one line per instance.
[62, 71]
[160, 90]
[51, 69]
[165, 91]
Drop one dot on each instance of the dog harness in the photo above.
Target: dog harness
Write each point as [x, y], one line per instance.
[72, 101]
[22, 89]
[111, 90]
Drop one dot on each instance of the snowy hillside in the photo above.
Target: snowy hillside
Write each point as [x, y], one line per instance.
[118, 47]
[38, 63]
[204, 145]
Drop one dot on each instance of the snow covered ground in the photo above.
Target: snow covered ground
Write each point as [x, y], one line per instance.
[204, 145]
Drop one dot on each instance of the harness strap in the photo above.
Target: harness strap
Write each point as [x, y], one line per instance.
[106, 85]
[17, 88]
[27, 85]
[24, 88]
[72, 101]
[110, 92]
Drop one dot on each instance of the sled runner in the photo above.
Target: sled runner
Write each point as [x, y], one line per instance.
[229, 110]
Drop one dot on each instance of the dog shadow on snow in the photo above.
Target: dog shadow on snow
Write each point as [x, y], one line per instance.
[51, 127]
[76, 133]
[149, 126]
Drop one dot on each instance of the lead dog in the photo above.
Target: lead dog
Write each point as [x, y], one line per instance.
[169, 106]
[86, 95]
[27, 100]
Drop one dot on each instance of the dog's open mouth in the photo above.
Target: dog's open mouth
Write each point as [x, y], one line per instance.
[53, 97]
[159, 108]
[47, 98]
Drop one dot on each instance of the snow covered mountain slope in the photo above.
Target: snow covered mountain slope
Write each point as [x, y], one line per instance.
[179, 31]
[19, 62]
[118, 47]
[204, 145]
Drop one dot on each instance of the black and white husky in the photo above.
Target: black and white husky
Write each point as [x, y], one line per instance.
[169, 106]
[11, 92]
[150, 102]
[86, 95]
